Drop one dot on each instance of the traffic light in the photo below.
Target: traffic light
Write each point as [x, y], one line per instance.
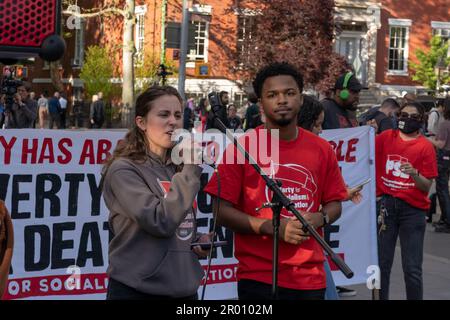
[21, 72]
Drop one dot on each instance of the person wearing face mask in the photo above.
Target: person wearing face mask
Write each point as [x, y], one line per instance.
[340, 108]
[151, 200]
[405, 168]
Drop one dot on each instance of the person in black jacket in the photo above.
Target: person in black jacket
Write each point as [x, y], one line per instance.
[97, 115]
[384, 116]
[253, 113]
[211, 122]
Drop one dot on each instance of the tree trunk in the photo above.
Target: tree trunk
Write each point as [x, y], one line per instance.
[128, 58]
[55, 76]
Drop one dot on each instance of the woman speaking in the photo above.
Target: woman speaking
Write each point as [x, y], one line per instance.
[151, 207]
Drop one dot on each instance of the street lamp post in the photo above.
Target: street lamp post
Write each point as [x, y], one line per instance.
[183, 48]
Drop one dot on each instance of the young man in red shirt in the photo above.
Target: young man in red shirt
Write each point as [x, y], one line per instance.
[406, 167]
[310, 176]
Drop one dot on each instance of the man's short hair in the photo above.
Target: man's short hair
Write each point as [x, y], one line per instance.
[222, 93]
[252, 98]
[353, 83]
[273, 70]
[391, 103]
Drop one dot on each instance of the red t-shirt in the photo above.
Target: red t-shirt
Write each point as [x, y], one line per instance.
[391, 152]
[310, 177]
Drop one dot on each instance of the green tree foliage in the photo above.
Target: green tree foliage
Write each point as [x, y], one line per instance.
[97, 71]
[425, 71]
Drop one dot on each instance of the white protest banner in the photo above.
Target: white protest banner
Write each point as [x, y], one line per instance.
[50, 182]
[354, 236]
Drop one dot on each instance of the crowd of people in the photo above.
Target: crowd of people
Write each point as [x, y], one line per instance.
[23, 110]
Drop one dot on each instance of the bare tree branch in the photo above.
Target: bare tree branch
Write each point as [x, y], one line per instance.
[95, 14]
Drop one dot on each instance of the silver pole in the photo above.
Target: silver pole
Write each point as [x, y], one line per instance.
[183, 49]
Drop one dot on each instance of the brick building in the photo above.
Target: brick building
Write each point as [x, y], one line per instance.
[377, 38]
[405, 27]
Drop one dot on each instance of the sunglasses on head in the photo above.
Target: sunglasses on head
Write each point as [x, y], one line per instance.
[406, 115]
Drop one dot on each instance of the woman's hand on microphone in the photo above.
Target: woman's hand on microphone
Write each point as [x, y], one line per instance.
[206, 238]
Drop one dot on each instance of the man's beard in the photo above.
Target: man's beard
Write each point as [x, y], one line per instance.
[352, 107]
[283, 122]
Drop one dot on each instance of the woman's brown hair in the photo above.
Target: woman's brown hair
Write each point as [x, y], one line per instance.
[135, 145]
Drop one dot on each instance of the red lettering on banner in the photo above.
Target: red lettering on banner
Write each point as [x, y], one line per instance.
[104, 147]
[55, 286]
[26, 150]
[64, 151]
[47, 151]
[349, 157]
[221, 274]
[333, 266]
[349, 153]
[7, 147]
[30, 151]
[96, 283]
[337, 147]
[88, 152]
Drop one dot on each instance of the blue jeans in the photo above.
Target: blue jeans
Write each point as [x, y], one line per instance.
[330, 292]
[409, 223]
[442, 183]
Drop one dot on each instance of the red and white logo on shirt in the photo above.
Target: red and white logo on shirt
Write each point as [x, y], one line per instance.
[186, 228]
[297, 184]
[394, 177]
[393, 164]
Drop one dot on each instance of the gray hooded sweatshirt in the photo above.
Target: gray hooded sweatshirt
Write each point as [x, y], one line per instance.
[153, 228]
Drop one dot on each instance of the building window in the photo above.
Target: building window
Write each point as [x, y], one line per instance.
[442, 29]
[78, 57]
[246, 27]
[445, 37]
[239, 99]
[199, 49]
[398, 49]
[139, 32]
[443, 33]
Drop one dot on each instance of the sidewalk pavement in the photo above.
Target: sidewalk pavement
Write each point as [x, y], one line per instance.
[436, 271]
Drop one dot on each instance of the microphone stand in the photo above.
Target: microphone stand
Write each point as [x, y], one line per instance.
[276, 207]
[279, 201]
